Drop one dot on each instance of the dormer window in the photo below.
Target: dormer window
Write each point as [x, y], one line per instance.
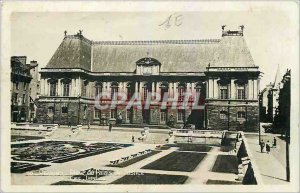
[148, 66]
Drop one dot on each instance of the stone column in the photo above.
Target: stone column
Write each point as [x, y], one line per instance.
[79, 86]
[42, 87]
[250, 87]
[210, 89]
[175, 91]
[232, 89]
[141, 90]
[216, 88]
[59, 89]
[255, 93]
[136, 90]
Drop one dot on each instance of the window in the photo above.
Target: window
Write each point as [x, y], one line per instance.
[241, 115]
[181, 90]
[113, 113]
[128, 114]
[50, 110]
[15, 98]
[147, 89]
[66, 89]
[240, 93]
[97, 114]
[64, 109]
[98, 89]
[223, 114]
[24, 86]
[52, 89]
[114, 90]
[224, 92]
[164, 88]
[23, 99]
[163, 115]
[180, 115]
[17, 85]
[85, 83]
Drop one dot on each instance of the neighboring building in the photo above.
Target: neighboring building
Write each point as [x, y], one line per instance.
[282, 118]
[34, 88]
[20, 88]
[220, 71]
[266, 104]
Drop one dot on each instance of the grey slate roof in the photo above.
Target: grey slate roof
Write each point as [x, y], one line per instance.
[174, 55]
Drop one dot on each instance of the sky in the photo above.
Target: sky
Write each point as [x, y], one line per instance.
[271, 35]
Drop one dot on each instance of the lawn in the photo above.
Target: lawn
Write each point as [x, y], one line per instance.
[134, 160]
[226, 164]
[22, 167]
[177, 161]
[15, 138]
[147, 178]
[72, 183]
[222, 182]
[193, 147]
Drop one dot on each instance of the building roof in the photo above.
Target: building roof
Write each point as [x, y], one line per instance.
[76, 51]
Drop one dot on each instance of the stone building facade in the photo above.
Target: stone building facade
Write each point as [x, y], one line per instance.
[219, 73]
[21, 88]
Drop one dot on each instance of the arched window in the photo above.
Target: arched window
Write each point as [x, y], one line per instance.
[130, 90]
[98, 88]
[114, 90]
[147, 88]
[53, 84]
[66, 87]
[181, 91]
[223, 114]
[164, 88]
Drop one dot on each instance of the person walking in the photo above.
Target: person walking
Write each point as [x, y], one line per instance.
[268, 146]
[274, 142]
[262, 145]
[110, 127]
[132, 139]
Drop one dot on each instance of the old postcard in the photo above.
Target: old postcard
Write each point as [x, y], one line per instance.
[149, 96]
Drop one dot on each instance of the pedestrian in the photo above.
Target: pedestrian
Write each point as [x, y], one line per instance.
[262, 145]
[132, 139]
[69, 125]
[88, 126]
[274, 142]
[110, 127]
[268, 147]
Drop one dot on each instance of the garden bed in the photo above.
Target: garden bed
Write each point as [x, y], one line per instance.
[147, 178]
[222, 182]
[177, 161]
[134, 160]
[21, 167]
[226, 164]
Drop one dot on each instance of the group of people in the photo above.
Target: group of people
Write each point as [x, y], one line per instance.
[267, 145]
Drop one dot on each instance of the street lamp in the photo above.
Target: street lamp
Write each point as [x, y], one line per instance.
[78, 109]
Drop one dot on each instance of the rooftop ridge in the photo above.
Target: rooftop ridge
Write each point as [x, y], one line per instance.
[78, 36]
[147, 42]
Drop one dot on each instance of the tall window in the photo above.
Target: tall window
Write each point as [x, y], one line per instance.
[114, 90]
[85, 84]
[164, 88]
[163, 115]
[98, 89]
[97, 114]
[113, 113]
[130, 90]
[66, 89]
[223, 114]
[17, 85]
[181, 90]
[223, 92]
[53, 89]
[64, 108]
[23, 98]
[180, 115]
[50, 110]
[147, 89]
[24, 85]
[241, 93]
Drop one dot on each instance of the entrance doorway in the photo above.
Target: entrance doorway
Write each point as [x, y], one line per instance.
[146, 116]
